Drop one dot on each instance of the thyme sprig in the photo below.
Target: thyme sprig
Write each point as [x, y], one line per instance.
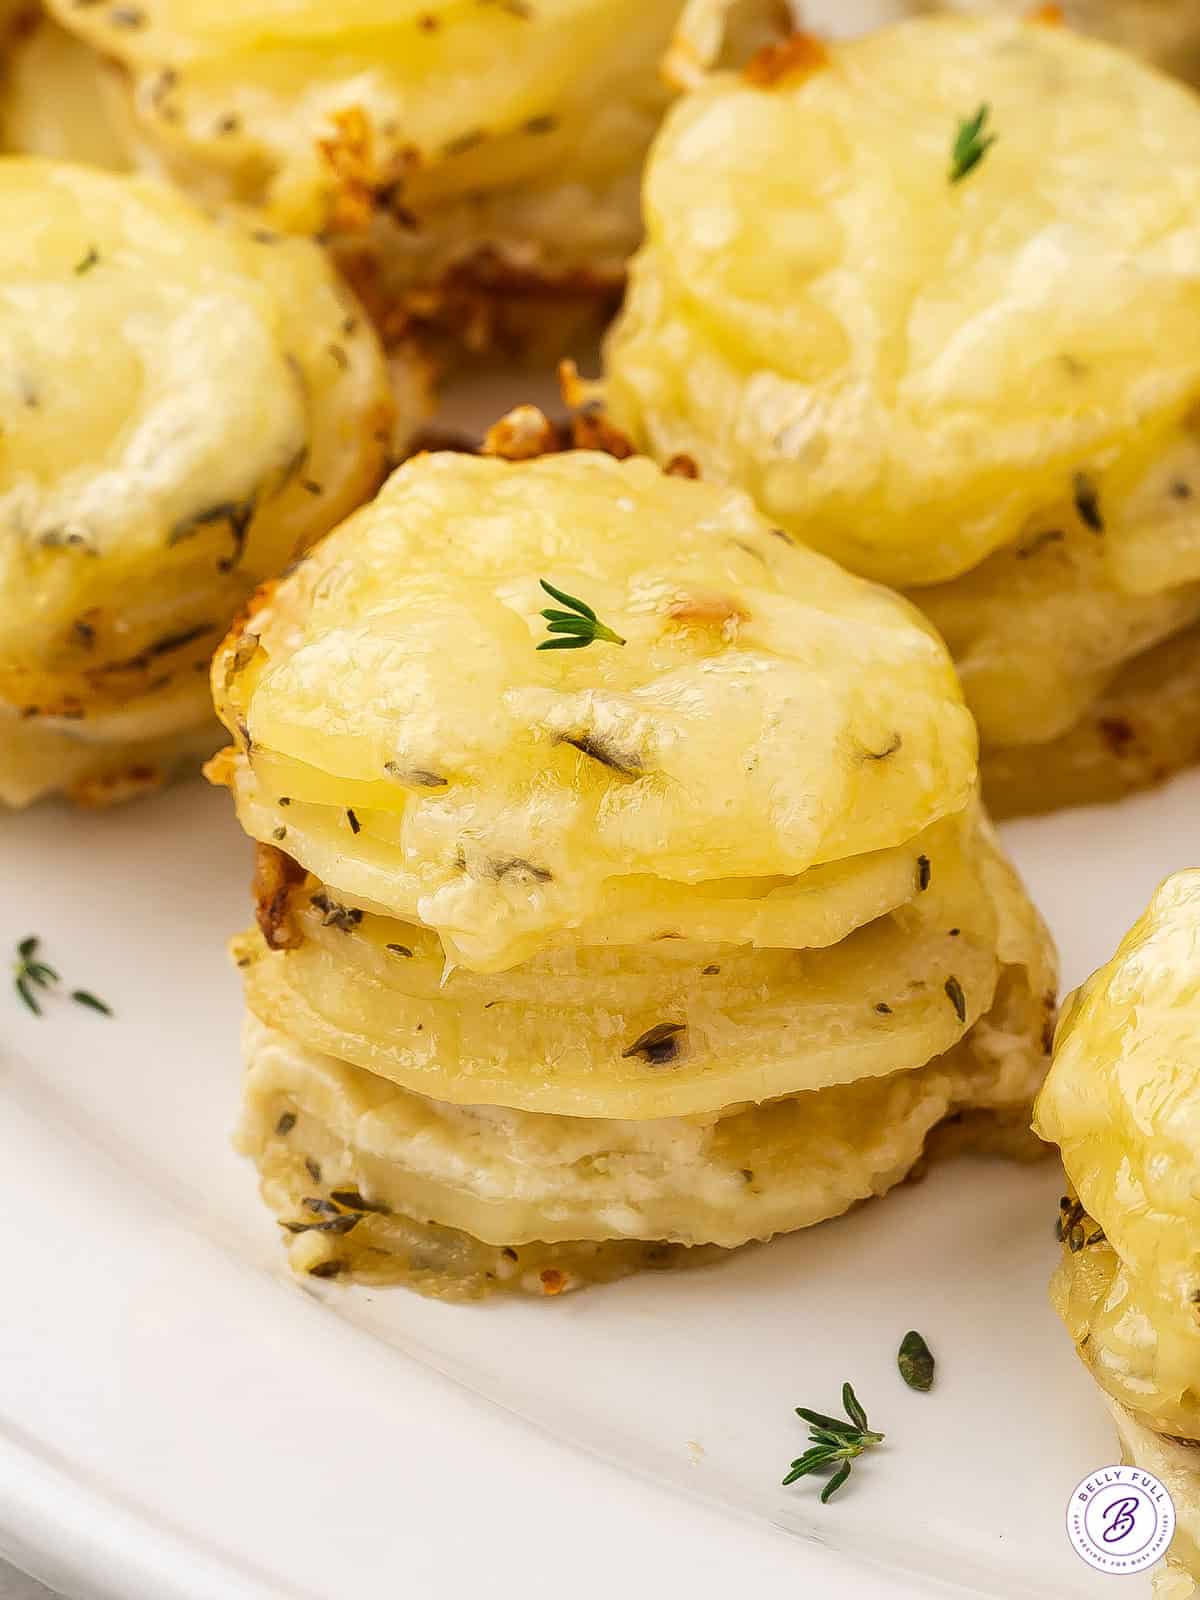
[29, 973]
[834, 1443]
[970, 145]
[580, 624]
[33, 976]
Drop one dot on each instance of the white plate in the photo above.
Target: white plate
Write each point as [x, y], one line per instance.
[179, 1419]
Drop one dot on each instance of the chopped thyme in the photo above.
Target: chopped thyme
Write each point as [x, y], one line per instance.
[708, 972]
[517, 867]
[414, 777]
[313, 1170]
[915, 1361]
[355, 824]
[238, 514]
[353, 1201]
[1087, 502]
[86, 262]
[279, 833]
[970, 145]
[334, 914]
[627, 763]
[924, 873]
[284, 800]
[326, 1269]
[1180, 490]
[400, 950]
[580, 625]
[883, 1008]
[542, 124]
[285, 1124]
[954, 993]
[342, 1223]
[658, 1044]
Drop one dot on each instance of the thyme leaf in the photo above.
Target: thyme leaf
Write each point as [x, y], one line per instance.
[83, 997]
[1087, 502]
[970, 145]
[915, 1361]
[834, 1442]
[658, 1044]
[956, 997]
[580, 624]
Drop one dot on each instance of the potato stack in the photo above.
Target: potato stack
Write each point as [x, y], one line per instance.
[475, 166]
[932, 298]
[667, 920]
[1123, 1103]
[185, 403]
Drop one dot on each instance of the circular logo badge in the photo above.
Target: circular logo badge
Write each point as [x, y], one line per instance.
[1120, 1519]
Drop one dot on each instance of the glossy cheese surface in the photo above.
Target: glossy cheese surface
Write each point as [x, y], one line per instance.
[767, 713]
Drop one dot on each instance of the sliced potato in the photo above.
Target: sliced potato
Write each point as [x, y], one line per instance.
[185, 403]
[663, 1030]
[1121, 1102]
[515, 1178]
[768, 713]
[947, 385]
[455, 155]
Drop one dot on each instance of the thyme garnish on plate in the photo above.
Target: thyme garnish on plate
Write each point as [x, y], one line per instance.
[915, 1361]
[834, 1443]
[970, 145]
[32, 975]
[580, 624]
